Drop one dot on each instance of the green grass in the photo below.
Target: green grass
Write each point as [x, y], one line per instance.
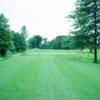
[49, 75]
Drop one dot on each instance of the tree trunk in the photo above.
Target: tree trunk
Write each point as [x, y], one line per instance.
[95, 30]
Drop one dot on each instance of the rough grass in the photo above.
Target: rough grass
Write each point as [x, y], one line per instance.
[49, 75]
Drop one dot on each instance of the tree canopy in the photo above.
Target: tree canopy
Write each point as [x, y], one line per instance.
[87, 24]
[35, 41]
[6, 42]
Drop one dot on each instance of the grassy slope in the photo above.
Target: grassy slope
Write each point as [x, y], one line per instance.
[48, 75]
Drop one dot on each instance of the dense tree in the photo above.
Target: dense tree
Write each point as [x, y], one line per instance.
[38, 40]
[60, 42]
[19, 42]
[35, 41]
[6, 42]
[32, 42]
[80, 40]
[87, 24]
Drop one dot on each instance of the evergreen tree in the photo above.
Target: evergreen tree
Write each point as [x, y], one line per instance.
[24, 32]
[19, 42]
[87, 24]
[6, 42]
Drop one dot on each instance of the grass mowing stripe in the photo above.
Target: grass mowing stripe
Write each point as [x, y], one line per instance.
[10, 67]
[21, 85]
[72, 93]
[53, 83]
[48, 75]
[80, 79]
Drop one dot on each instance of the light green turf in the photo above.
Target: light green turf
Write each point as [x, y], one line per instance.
[49, 75]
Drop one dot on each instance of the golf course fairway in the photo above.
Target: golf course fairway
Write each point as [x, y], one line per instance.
[48, 75]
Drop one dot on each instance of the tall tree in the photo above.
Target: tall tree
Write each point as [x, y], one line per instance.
[19, 42]
[87, 24]
[24, 31]
[6, 42]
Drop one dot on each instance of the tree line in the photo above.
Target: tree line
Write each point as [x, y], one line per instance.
[60, 42]
[18, 41]
[10, 40]
[86, 34]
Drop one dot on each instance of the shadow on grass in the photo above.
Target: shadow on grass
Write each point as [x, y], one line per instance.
[5, 57]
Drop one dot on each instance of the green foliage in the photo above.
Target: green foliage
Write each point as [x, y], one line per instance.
[9, 40]
[84, 22]
[35, 41]
[6, 42]
[60, 42]
[44, 44]
[19, 42]
[87, 24]
[24, 32]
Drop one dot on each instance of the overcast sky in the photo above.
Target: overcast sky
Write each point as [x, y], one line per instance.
[43, 17]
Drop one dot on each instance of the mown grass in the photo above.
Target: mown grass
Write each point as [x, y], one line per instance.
[86, 57]
[49, 75]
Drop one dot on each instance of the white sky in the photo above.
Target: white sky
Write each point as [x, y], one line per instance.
[43, 17]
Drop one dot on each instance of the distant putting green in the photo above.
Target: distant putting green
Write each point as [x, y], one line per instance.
[49, 75]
